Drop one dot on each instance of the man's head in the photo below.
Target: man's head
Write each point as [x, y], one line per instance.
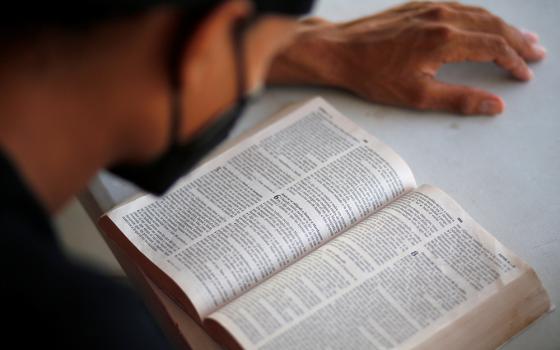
[224, 60]
[106, 73]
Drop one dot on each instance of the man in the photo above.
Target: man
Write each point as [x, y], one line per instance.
[147, 88]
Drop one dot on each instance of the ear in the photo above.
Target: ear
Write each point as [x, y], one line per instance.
[211, 41]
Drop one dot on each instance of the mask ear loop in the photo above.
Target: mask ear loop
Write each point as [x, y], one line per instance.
[239, 31]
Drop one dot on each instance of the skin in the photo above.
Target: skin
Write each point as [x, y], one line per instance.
[400, 51]
[71, 105]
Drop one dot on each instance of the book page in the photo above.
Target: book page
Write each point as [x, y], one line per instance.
[393, 280]
[264, 203]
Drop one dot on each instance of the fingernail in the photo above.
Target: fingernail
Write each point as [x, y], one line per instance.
[531, 36]
[490, 107]
[530, 74]
[523, 73]
[539, 49]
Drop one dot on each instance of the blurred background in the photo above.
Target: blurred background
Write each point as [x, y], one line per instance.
[81, 239]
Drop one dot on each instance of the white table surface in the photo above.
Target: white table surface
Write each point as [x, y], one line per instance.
[504, 171]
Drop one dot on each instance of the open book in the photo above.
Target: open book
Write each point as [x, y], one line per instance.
[311, 233]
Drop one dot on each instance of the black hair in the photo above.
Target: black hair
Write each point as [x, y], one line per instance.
[24, 22]
[27, 19]
[34, 15]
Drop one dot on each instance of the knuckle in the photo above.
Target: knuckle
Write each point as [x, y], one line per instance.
[480, 9]
[474, 8]
[499, 24]
[440, 31]
[494, 22]
[437, 12]
[500, 44]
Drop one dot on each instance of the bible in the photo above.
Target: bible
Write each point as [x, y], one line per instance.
[309, 233]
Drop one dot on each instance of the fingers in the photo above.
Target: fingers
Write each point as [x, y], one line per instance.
[530, 36]
[525, 43]
[479, 20]
[459, 99]
[479, 47]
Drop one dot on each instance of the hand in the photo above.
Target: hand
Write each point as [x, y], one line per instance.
[393, 57]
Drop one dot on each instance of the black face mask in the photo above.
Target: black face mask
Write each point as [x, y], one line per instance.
[159, 175]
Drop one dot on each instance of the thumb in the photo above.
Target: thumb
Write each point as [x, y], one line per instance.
[461, 99]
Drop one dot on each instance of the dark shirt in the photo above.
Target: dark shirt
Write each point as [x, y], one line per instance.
[51, 301]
